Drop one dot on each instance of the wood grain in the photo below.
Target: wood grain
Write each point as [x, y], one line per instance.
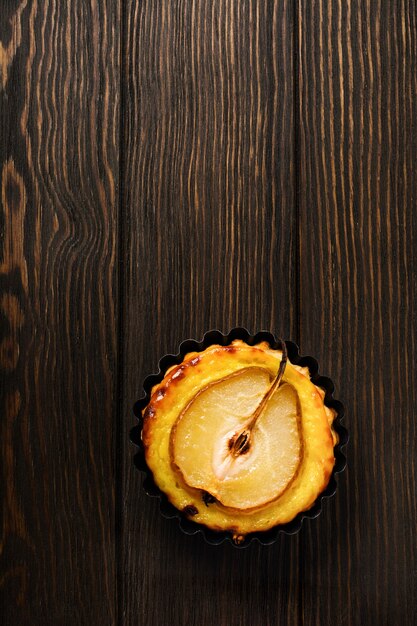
[209, 236]
[357, 196]
[171, 167]
[59, 90]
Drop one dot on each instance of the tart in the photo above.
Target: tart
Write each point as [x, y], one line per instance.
[238, 437]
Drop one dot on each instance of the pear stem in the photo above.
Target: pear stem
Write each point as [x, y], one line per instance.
[242, 440]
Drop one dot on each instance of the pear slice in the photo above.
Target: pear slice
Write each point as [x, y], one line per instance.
[203, 437]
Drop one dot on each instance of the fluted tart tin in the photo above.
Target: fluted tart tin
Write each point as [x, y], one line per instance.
[186, 523]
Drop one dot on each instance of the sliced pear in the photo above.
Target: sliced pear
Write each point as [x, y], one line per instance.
[203, 436]
[167, 438]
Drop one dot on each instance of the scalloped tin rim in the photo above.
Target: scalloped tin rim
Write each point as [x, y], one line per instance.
[212, 337]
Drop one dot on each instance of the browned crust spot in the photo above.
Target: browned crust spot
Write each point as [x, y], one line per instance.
[208, 498]
[161, 393]
[178, 373]
[149, 412]
[190, 510]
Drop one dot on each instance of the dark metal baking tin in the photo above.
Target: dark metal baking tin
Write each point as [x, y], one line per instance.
[216, 337]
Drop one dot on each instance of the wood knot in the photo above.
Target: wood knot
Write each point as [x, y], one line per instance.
[9, 354]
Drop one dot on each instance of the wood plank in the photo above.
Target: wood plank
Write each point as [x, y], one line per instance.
[209, 237]
[59, 92]
[357, 190]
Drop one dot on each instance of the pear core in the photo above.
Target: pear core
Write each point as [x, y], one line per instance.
[194, 415]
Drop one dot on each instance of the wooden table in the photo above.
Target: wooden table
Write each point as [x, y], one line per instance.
[168, 167]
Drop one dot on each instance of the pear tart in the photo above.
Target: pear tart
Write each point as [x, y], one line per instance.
[239, 438]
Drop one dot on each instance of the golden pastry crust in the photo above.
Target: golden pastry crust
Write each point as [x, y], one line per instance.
[174, 392]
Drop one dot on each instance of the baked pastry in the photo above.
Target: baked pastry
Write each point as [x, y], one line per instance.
[239, 438]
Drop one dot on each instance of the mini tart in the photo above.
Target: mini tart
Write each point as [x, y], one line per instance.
[169, 399]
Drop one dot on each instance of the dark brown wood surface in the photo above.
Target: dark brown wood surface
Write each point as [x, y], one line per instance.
[171, 167]
[58, 268]
[209, 238]
[357, 188]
